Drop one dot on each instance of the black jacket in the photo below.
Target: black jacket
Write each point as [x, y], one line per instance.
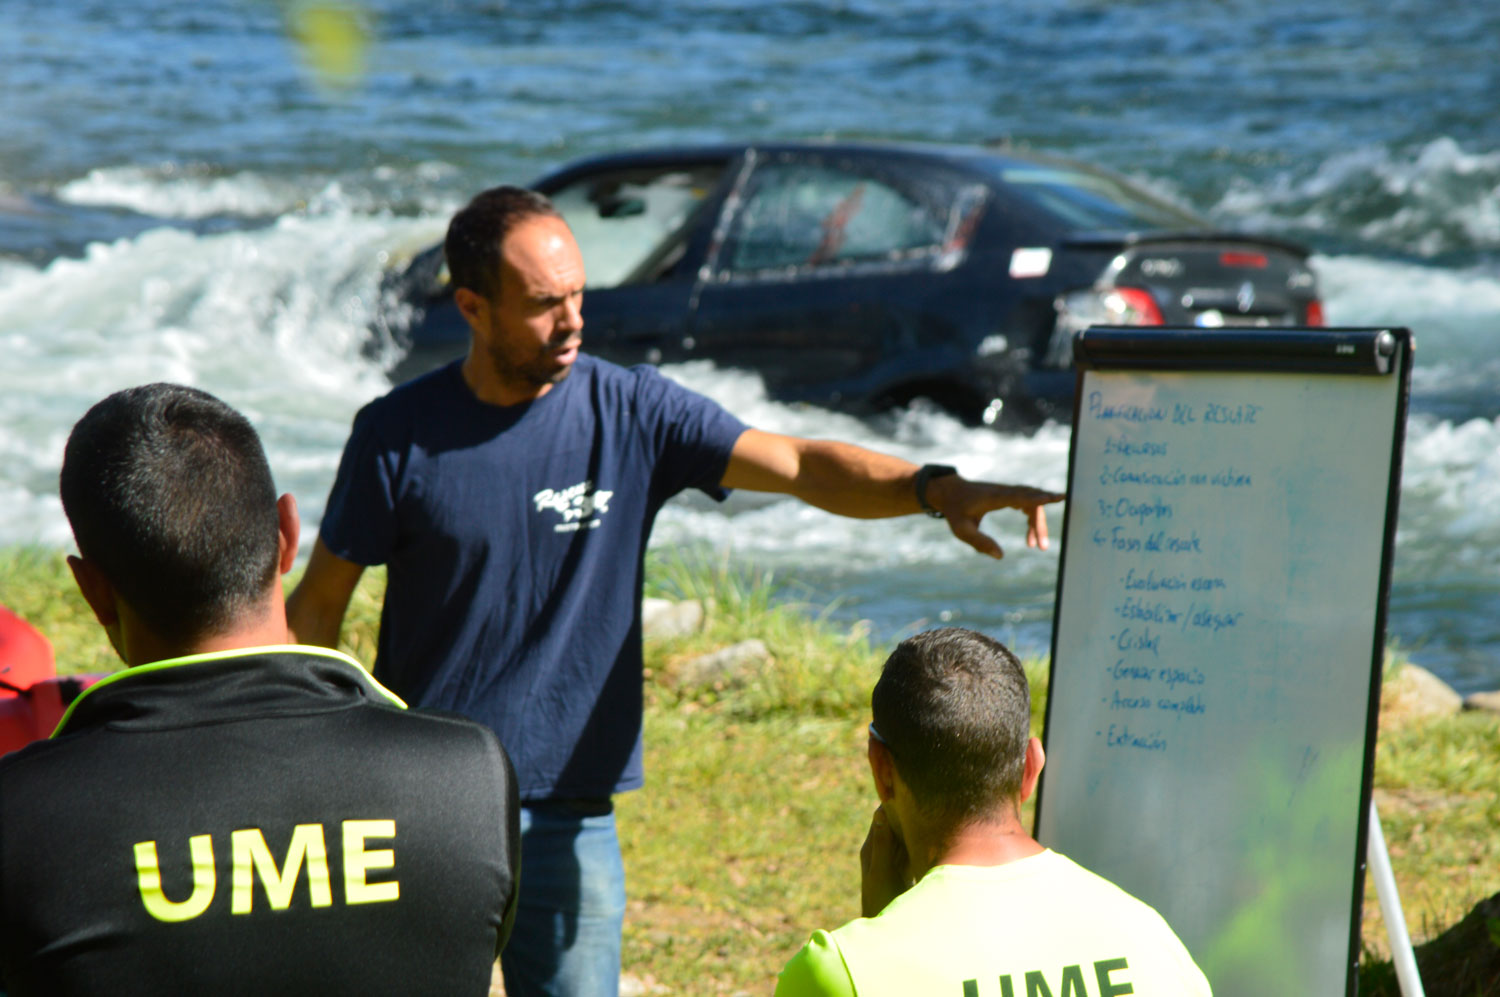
[356, 848]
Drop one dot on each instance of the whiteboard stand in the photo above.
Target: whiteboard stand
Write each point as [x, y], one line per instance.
[1219, 638]
[1402, 955]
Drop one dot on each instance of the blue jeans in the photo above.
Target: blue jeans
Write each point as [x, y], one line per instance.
[566, 939]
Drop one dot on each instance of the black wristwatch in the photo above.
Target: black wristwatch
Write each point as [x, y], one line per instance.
[926, 474]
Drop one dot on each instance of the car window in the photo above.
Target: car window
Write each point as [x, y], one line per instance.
[624, 219]
[806, 214]
[1093, 201]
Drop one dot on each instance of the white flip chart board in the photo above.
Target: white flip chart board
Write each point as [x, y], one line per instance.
[1218, 636]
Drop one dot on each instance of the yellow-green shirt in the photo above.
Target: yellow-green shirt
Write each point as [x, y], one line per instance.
[1042, 926]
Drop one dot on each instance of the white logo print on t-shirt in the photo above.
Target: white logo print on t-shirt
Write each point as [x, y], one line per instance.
[579, 506]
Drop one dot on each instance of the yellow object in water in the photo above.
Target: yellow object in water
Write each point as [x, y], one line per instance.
[333, 38]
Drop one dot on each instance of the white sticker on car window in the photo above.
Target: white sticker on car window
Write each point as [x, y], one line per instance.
[1033, 262]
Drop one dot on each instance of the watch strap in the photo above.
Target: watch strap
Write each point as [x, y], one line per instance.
[924, 475]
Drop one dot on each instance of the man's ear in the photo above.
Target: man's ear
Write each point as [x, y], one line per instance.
[882, 769]
[1035, 759]
[97, 591]
[473, 307]
[290, 527]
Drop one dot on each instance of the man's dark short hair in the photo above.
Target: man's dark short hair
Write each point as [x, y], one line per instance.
[169, 494]
[954, 708]
[475, 234]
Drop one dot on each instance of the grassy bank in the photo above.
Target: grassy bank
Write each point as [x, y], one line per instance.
[747, 834]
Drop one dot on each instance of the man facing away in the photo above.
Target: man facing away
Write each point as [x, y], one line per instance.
[957, 898]
[233, 815]
[511, 495]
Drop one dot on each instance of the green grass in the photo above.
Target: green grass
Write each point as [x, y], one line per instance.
[747, 834]
[819, 672]
[1437, 789]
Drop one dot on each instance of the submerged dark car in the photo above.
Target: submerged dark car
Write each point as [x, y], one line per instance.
[862, 276]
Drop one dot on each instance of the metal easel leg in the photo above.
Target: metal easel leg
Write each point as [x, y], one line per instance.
[1402, 955]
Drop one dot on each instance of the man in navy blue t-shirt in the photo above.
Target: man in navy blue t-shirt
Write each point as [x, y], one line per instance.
[511, 495]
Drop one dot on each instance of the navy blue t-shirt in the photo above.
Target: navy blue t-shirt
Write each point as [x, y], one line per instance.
[515, 539]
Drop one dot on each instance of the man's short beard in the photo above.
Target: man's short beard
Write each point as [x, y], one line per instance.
[537, 374]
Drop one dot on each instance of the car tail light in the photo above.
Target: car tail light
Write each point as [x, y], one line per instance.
[1098, 306]
[1131, 306]
[1315, 313]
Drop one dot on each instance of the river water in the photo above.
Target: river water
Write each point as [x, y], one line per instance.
[184, 197]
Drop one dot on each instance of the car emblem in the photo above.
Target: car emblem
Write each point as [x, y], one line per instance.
[1246, 297]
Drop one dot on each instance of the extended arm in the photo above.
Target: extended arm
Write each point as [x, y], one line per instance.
[315, 610]
[852, 481]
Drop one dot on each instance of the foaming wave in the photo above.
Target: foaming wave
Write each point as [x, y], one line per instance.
[1434, 200]
[1457, 468]
[744, 393]
[1455, 315]
[170, 190]
[1450, 499]
[273, 321]
[1460, 305]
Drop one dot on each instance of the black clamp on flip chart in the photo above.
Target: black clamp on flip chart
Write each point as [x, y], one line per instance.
[1301, 351]
[1219, 632]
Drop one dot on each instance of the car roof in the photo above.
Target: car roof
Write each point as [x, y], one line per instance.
[994, 165]
[988, 160]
